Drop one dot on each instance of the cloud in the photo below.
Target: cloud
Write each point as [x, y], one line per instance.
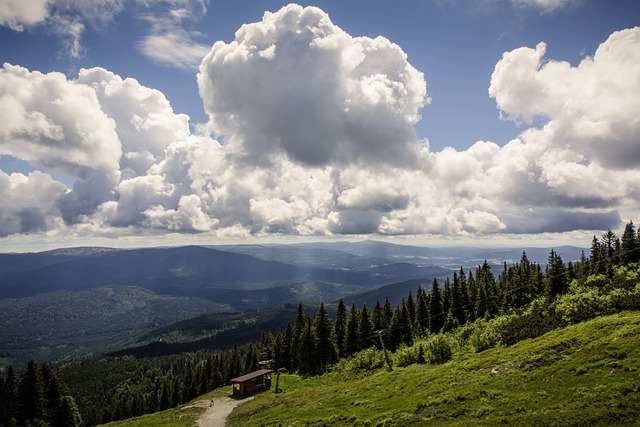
[296, 84]
[28, 203]
[587, 153]
[544, 5]
[60, 125]
[545, 220]
[66, 18]
[168, 42]
[54, 123]
[316, 138]
[174, 47]
[16, 14]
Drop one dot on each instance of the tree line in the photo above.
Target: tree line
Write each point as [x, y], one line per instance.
[312, 344]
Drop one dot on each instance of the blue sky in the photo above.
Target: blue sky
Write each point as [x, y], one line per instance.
[410, 143]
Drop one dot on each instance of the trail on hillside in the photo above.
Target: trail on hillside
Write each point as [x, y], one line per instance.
[216, 413]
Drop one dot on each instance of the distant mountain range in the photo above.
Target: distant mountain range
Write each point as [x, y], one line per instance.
[242, 280]
[72, 302]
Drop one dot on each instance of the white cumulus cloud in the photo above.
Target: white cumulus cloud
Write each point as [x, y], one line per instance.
[295, 83]
[316, 137]
[17, 14]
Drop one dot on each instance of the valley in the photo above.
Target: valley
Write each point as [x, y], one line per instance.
[75, 302]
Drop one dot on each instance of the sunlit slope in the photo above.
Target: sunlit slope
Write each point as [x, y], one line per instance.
[585, 374]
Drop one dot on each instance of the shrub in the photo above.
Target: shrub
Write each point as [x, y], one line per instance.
[439, 348]
[477, 336]
[622, 299]
[582, 304]
[364, 360]
[405, 355]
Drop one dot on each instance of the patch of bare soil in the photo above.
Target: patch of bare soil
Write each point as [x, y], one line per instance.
[217, 411]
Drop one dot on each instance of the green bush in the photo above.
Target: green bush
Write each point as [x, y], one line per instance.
[405, 355]
[583, 303]
[623, 299]
[477, 336]
[439, 348]
[626, 277]
[364, 360]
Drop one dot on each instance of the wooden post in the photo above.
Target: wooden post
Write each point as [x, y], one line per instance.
[279, 371]
[386, 356]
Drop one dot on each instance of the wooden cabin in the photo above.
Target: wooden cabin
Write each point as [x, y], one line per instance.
[252, 382]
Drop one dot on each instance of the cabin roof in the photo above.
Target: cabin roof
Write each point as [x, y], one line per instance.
[251, 375]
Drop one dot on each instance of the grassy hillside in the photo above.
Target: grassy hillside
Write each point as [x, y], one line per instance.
[585, 374]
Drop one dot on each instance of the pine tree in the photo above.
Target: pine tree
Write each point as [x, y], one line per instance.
[436, 312]
[608, 243]
[8, 398]
[464, 291]
[298, 330]
[235, 365]
[340, 328]
[251, 362]
[392, 338]
[421, 321]
[306, 349]
[598, 261]
[411, 308]
[472, 292]
[53, 390]
[201, 378]
[481, 306]
[325, 345]
[285, 345]
[450, 322]
[217, 378]
[365, 329]
[351, 336]
[522, 291]
[69, 413]
[556, 280]
[582, 268]
[400, 327]
[629, 245]
[378, 317]
[405, 328]
[486, 281]
[571, 272]
[446, 296]
[32, 403]
[164, 396]
[209, 367]
[505, 286]
[176, 393]
[267, 346]
[387, 313]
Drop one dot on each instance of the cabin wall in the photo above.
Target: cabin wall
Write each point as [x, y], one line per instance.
[250, 386]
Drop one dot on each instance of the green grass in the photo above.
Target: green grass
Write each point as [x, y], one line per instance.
[176, 417]
[181, 416]
[583, 375]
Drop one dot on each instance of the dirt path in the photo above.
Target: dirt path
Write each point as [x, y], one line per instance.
[216, 414]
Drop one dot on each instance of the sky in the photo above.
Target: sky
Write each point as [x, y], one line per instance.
[165, 122]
